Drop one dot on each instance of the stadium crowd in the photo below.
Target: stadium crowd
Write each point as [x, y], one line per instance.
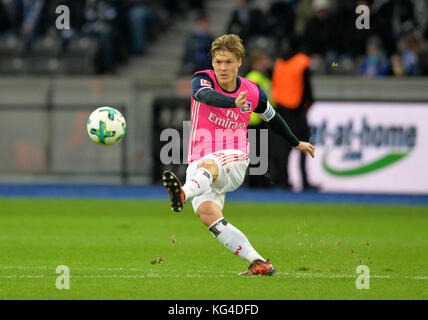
[396, 42]
[118, 28]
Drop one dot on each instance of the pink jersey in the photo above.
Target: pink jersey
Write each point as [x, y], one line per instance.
[214, 129]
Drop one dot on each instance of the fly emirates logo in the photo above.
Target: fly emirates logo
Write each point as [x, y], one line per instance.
[230, 122]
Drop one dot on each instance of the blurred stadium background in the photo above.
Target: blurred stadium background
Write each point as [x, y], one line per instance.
[134, 55]
[368, 123]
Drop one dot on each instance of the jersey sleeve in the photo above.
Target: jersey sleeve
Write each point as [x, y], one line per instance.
[203, 91]
[264, 108]
[262, 105]
[201, 81]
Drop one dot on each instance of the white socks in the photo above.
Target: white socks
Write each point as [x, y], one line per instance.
[234, 240]
[199, 184]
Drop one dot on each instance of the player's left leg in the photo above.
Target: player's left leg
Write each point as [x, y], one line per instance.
[210, 213]
[232, 238]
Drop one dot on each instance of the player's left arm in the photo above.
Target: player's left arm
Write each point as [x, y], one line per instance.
[278, 124]
[203, 91]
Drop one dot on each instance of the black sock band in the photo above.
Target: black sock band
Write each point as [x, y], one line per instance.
[213, 228]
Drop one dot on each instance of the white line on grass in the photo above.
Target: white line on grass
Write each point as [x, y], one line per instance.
[164, 275]
[168, 273]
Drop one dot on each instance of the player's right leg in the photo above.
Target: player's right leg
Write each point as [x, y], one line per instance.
[200, 180]
[176, 194]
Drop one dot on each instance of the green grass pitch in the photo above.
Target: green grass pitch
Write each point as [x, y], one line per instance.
[108, 246]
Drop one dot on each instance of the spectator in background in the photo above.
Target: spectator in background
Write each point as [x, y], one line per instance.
[198, 5]
[421, 17]
[375, 63]
[30, 19]
[172, 8]
[5, 19]
[281, 18]
[140, 20]
[410, 48]
[421, 7]
[103, 21]
[294, 3]
[353, 41]
[260, 70]
[197, 47]
[392, 19]
[77, 19]
[292, 91]
[321, 35]
[406, 62]
[246, 21]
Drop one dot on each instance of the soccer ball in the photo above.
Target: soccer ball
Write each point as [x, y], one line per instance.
[106, 126]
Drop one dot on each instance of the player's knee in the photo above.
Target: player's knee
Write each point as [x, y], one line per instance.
[208, 213]
[211, 166]
[205, 219]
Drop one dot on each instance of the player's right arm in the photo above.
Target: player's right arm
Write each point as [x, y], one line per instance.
[203, 91]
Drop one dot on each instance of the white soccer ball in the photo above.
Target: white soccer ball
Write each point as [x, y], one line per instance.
[106, 126]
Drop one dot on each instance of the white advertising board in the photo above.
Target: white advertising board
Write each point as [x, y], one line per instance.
[368, 147]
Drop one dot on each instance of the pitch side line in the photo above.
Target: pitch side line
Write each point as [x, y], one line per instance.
[156, 273]
[175, 275]
[157, 192]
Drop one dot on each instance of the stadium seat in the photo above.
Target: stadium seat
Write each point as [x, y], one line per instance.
[12, 51]
[45, 56]
[79, 58]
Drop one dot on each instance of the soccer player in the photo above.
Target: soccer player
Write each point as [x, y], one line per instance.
[222, 103]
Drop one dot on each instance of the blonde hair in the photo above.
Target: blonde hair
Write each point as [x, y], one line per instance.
[229, 42]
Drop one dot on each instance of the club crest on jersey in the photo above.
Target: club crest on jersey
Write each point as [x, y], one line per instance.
[205, 83]
[243, 110]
